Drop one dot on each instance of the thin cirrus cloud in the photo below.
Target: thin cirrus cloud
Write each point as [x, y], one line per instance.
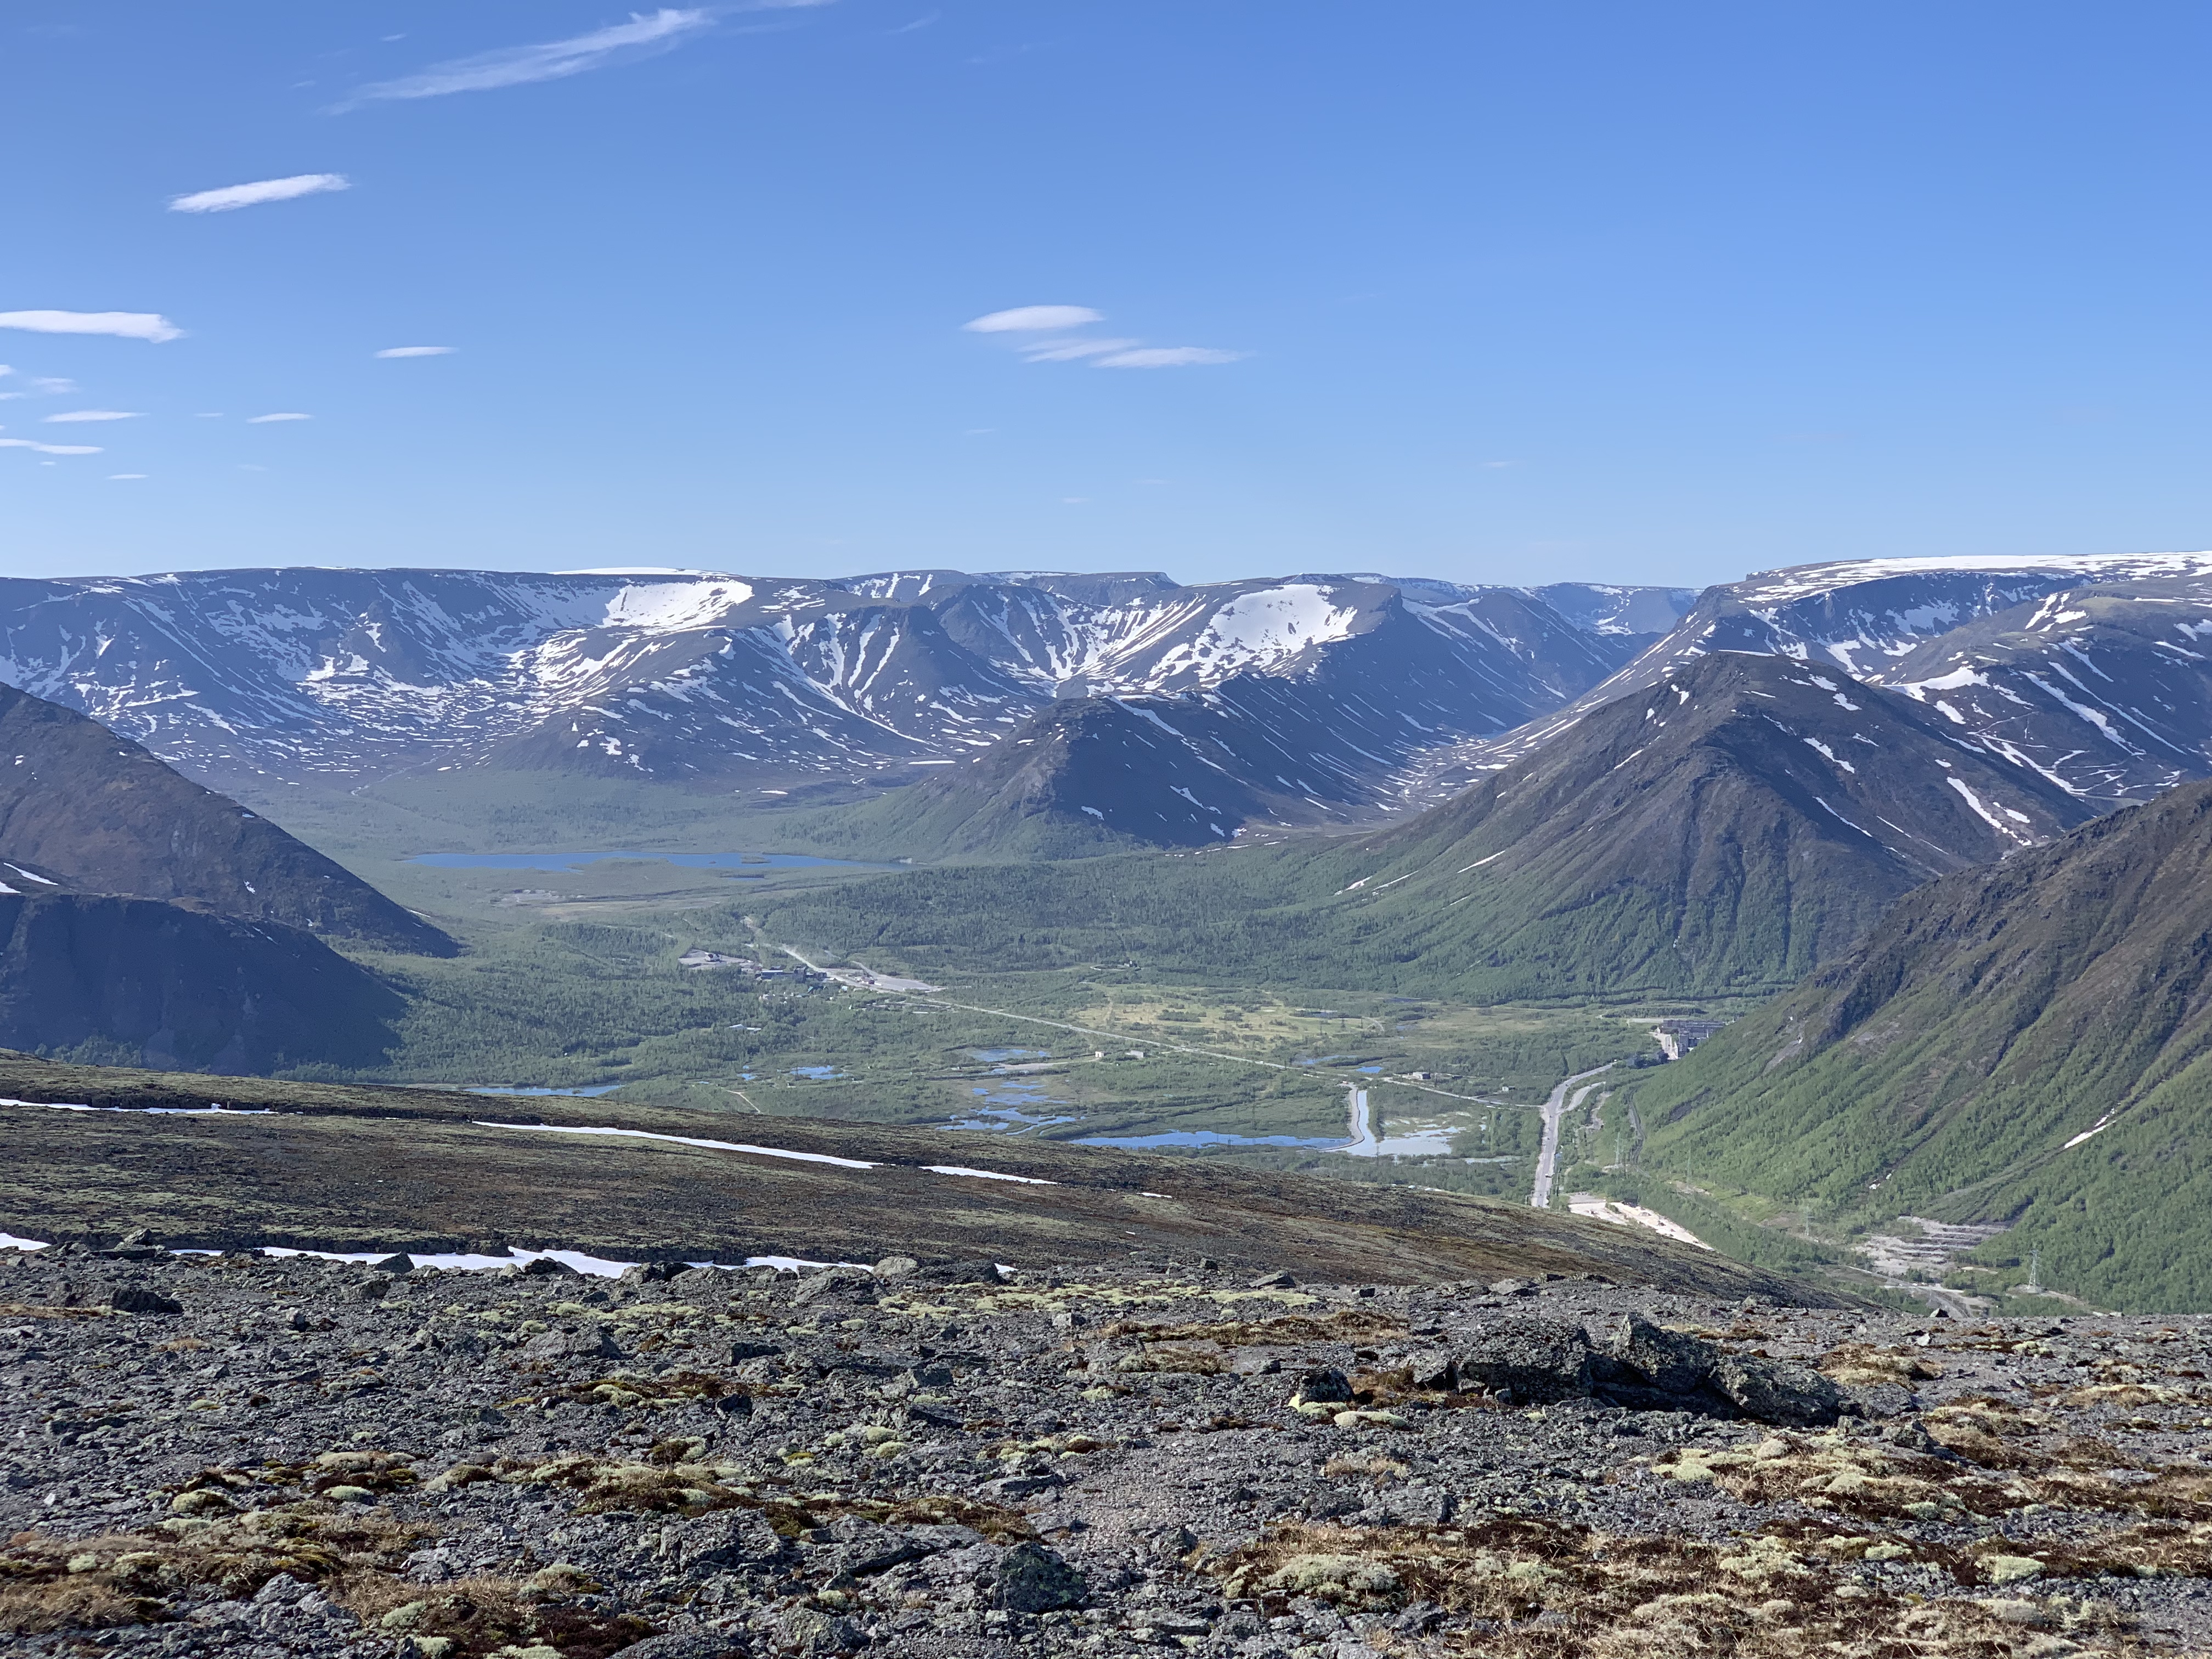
[231, 197]
[49, 386]
[124, 325]
[1166, 357]
[1099, 352]
[1067, 351]
[644, 35]
[1026, 319]
[68, 416]
[282, 415]
[418, 351]
[49, 449]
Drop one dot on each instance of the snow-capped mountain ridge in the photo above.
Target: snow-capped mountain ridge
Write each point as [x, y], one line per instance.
[1906, 623]
[288, 673]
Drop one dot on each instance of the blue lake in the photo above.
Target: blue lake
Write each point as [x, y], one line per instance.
[1206, 1138]
[760, 862]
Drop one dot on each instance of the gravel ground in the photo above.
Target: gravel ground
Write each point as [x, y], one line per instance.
[235, 1454]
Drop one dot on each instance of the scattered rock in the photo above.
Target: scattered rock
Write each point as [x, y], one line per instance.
[1533, 1360]
[1780, 1392]
[137, 1299]
[1030, 1578]
[970, 1473]
[1673, 1362]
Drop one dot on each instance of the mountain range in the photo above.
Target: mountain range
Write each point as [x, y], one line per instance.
[1723, 834]
[1314, 691]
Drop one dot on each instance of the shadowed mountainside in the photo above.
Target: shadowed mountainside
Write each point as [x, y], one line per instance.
[92, 812]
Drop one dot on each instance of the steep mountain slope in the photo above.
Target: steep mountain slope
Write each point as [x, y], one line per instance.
[2028, 1044]
[255, 677]
[1728, 829]
[2106, 690]
[84, 811]
[1031, 796]
[1867, 617]
[136, 982]
[1306, 741]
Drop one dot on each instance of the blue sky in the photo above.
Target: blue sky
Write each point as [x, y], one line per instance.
[1498, 293]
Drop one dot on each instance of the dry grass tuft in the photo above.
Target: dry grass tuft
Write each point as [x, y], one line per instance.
[686, 1488]
[1376, 1469]
[627, 1389]
[480, 1615]
[1857, 1363]
[1350, 1325]
[1537, 1591]
[122, 1578]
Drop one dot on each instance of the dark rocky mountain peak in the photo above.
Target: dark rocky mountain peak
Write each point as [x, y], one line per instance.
[84, 811]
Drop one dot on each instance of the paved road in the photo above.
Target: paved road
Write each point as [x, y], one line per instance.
[1360, 1124]
[1555, 1111]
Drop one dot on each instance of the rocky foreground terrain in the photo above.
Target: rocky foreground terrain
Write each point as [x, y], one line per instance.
[238, 1455]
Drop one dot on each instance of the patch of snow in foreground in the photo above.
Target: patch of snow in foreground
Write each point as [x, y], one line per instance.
[211, 1109]
[1632, 1215]
[596, 1267]
[761, 1151]
[987, 1174]
[682, 1140]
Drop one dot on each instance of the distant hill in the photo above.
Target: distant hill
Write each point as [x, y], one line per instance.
[1088, 776]
[84, 811]
[2027, 1044]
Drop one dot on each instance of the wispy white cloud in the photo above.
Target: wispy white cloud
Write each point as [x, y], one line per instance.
[282, 415]
[93, 414]
[49, 449]
[1026, 318]
[1165, 357]
[232, 196]
[1101, 352]
[418, 351]
[127, 324]
[116, 478]
[1066, 351]
[514, 66]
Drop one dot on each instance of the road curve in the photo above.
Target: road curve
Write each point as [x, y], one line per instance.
[1555, 1112]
